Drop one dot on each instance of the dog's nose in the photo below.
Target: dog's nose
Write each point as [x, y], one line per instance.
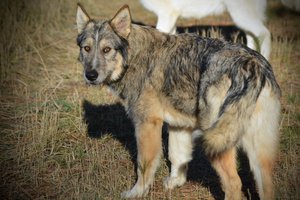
[91, 75]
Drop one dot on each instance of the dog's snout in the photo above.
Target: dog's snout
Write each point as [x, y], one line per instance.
[91, 75]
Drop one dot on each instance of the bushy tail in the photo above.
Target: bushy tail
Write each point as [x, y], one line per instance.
[248, 78]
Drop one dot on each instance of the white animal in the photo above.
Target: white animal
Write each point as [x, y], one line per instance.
[248, 15]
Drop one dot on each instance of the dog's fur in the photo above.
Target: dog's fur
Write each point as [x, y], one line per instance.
[220, 94]
[248, 15]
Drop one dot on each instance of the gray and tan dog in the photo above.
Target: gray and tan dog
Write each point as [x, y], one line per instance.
[219, 94]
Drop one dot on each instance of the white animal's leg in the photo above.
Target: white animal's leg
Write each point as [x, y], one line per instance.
[263, 35]
[251, 42]
[249, 17]
[264, 38]
[260, 142]
[167, 22]
[180, 153]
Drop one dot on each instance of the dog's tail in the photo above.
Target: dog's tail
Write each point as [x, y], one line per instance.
[248, 79]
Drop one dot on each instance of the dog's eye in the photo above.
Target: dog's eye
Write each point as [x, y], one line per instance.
[87, 48]
[106, 49]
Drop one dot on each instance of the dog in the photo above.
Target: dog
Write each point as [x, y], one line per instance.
[210, 92]
[248, 15]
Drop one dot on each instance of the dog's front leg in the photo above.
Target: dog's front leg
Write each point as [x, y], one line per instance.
[149, 145]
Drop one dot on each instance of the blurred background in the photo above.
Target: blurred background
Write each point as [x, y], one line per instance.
[61, 139]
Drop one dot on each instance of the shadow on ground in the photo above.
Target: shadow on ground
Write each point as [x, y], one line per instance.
[112, 119]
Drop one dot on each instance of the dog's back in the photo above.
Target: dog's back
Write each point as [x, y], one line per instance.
[200, 62]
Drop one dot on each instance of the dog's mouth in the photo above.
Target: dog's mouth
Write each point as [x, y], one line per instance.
[92, 83]
[98, 81]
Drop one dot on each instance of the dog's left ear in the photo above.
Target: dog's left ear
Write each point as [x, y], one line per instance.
[121, 22]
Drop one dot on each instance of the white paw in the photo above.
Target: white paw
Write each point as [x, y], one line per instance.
[135, 192]
[172, 182]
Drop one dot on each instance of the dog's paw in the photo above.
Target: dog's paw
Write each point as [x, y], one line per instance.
[128, 194]
[131, 194]
[135, 192]
[172, 182]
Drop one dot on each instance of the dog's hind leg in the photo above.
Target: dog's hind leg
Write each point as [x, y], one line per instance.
[225, 166]
[260, 141]
[180, 153]
[148, 137]
[261, 159]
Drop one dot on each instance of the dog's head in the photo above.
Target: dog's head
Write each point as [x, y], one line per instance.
[103, 45]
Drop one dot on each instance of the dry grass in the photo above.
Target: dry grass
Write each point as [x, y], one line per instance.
[63, 140]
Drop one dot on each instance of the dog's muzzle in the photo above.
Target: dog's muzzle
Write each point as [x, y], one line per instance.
[91, 75]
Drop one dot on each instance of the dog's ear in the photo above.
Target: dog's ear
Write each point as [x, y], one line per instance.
[121, 22]
[82, 18]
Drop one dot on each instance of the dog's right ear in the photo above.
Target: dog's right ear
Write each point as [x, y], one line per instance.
[82, 18]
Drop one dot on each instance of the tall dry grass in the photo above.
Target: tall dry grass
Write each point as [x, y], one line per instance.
[61, 139]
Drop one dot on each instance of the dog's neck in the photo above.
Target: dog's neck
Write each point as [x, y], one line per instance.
[141, 43]
[143, 39]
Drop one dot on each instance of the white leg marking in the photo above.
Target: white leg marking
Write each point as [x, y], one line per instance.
[180, 153]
